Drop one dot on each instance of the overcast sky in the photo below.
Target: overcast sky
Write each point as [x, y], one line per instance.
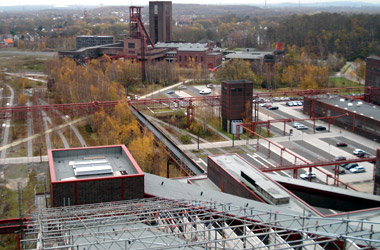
[145, 2]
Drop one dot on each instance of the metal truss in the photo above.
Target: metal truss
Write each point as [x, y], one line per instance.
[19, 112]
[156, 223]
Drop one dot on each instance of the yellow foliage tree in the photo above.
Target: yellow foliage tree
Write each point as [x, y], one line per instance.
[142, 149]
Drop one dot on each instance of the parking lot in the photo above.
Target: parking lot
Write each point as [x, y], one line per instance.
[310, 145]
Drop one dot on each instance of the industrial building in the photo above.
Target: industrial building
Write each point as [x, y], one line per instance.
[92, 175]
[160, 21]
[236, 103]
[91, 41]
[372, 80]
[356, 115]
[140, 46]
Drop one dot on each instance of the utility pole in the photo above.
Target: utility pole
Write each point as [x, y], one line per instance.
[21, 209]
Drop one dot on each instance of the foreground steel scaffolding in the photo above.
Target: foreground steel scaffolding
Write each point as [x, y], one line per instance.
[155, 223]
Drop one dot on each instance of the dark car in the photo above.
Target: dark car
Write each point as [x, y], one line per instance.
[351, 165]
[341, 144]
[170, 92]
[320, 128]
[339, 158]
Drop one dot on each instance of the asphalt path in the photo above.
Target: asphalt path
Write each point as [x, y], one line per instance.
[29, 132]
[72, 127]
[7, 123]
[351, 145]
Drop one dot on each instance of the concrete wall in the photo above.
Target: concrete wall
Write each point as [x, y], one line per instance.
[226, 182]
[95, 191]
[329, 200]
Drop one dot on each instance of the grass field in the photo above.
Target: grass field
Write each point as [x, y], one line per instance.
[15, 60]
[341, 82]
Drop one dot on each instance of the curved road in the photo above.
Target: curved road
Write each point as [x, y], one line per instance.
[72, 127]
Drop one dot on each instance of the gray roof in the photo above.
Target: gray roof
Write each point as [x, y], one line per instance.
[166, 188]
[256, 55]
[356, 106]
[193, 47]
[183, 46]
[374, 57]
[63, 159]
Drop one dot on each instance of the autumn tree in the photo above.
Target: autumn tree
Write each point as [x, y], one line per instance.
[235, 70]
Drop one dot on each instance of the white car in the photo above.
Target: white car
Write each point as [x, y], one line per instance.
[358, 169]
[306, 175]
[358, 151]
[296, 124]
[210, 86]
[205, 91]
[301, 127]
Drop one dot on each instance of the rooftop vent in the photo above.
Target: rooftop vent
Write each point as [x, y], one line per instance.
[91, 167]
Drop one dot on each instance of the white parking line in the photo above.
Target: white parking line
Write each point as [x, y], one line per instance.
[202, 161]
[258, 160]
[285, 173]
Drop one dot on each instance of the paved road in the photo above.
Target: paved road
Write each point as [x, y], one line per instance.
[29, 132]
[72, 127]
[28, 53]
[59, 132]
[7, 123]
[46, 127]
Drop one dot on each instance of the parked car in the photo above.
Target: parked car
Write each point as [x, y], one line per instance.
[268, 106]
[301, 127]
[296, 124]
[205, 91]
[358, 169]
[273, 108]
[263, 104]
[358, 151]
[299, 103]
[341, 144]
[210, 86]
[351, 165]
[181, 87]
[320, 128]
[170, 92]
[306, 175]
[339, 158]
[290, 104]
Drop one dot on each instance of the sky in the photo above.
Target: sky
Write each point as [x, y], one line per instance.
[145, 2]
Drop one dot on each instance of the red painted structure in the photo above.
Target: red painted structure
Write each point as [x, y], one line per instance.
[19, 112]
[102, 189]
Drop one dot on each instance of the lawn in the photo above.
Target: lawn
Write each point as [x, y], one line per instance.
[341, 82]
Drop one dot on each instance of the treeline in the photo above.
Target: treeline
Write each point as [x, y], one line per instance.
[105, 79]
[296, 71]
[352, 36]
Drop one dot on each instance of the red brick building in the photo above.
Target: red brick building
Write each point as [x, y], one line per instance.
[372, 80]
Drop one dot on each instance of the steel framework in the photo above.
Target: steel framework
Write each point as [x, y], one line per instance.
[155, 223]
[188, 102]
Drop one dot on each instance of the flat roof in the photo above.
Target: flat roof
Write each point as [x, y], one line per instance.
[91, 163]
[247, 174]
[356, 106]
[374, 57]
[94, 36]
[248, 55]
